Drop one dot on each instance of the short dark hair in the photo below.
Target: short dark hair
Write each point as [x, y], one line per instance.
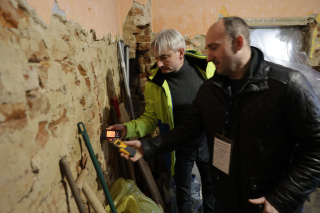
[236, 26]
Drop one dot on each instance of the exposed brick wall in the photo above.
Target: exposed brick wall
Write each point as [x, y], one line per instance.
[315, 44]
[51, 78]
[137, 35]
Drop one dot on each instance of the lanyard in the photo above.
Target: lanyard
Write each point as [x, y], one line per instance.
[227, 116]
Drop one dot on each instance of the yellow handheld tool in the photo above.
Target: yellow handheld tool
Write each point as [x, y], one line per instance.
[124, 148]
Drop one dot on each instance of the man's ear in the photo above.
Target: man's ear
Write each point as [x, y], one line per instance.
[181, 53]
[237, 43]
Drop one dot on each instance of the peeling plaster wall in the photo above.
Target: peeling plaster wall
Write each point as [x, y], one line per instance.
[51, 77]
[124, 8]
[102, 16]
[193, 17]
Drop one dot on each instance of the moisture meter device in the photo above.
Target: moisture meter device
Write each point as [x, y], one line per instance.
[124, 148]
[110, 134]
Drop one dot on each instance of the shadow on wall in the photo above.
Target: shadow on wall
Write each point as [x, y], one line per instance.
[135, 87]
[111, 155]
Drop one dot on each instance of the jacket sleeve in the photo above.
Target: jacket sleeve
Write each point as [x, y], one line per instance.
[302, 112]
[147, 122]
[189, 129]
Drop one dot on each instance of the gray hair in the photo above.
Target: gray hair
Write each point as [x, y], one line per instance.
[167, 39]
[236, 26]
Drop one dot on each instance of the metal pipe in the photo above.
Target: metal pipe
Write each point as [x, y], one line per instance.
[126, 57]
[125, 82]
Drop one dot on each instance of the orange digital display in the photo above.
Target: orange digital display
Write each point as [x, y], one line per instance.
[111, 134]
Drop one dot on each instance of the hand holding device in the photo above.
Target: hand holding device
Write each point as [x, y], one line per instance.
[124, 148]
[110, 134]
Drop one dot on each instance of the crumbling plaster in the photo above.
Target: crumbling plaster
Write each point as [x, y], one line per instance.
[104, 17]
[52, 77]
[86, 13]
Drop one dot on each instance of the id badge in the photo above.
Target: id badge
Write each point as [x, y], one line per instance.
[222, 148]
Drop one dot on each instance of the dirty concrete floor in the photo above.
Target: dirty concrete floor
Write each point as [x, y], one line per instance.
[313, 206]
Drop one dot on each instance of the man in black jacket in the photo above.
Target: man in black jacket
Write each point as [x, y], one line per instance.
[262, 122]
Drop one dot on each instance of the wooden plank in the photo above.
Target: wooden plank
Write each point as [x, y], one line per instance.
[75, 192]
[152, 186]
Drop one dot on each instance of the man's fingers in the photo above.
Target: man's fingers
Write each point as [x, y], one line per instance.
[110, 127]
[115, 127]
[134, 144]
[257, 201]
[136, 157]
[124, 156]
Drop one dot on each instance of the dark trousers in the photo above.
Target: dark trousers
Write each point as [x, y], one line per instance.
[183, 171]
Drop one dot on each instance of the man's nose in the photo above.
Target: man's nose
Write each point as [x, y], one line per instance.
[159, 63]
[210, 57]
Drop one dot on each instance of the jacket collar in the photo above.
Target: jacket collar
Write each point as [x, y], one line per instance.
[256, 75]
[257, 71]
[157, 77]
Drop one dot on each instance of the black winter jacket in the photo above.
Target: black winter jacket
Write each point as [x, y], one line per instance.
[275, 125]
